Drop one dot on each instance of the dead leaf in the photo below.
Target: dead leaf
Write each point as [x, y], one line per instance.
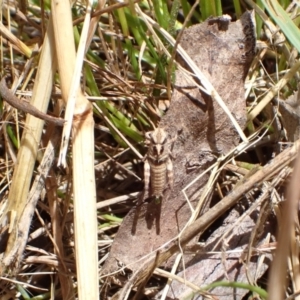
[204, 132]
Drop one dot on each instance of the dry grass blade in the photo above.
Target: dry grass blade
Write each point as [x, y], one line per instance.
[84, 191]
[277, 280]
[171, 276]
[69, 114]
[15, 41]
[39, 184]
[274, 91]
[29, 146]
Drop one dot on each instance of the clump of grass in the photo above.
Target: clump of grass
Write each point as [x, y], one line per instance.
[127, 77]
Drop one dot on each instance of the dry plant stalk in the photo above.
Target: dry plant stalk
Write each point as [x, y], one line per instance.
[277, 280]
[26, 159]
[15, 41]
[20, 201]
[84, 192]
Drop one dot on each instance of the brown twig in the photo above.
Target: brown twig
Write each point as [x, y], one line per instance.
[25, 106]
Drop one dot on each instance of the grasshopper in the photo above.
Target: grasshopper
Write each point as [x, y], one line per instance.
[158, 166]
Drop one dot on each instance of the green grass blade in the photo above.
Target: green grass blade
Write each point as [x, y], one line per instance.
[255, 289]
[283, 20]
[124, 124]
[210, 8]
[12, 136]
[237, 8]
